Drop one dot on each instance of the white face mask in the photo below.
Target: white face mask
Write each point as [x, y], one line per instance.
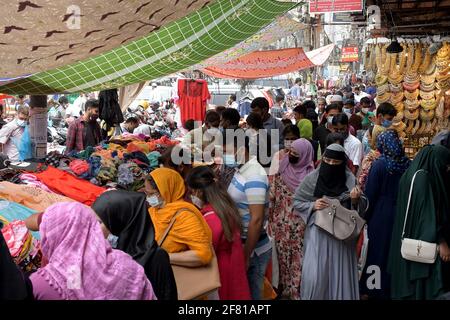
[287, 144]
[365, 110]
[153, 201]
[330, 119]
[21, 123]
[197, 201]
[112, 239]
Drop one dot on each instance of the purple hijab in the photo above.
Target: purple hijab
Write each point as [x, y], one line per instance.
[293, 174]
[82, 265]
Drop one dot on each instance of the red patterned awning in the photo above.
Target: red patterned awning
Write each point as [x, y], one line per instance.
[265, 64]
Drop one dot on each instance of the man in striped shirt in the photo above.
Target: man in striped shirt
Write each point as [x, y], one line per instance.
[249, 189]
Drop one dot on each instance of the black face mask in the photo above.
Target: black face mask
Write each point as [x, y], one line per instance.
[293, 160]
[331, 181]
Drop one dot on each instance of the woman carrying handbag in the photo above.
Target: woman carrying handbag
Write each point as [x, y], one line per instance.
[329, 269]
[181, 230]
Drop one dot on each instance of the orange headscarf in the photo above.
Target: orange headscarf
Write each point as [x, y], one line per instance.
[189, 232]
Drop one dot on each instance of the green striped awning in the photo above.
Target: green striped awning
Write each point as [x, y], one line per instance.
[177, 46]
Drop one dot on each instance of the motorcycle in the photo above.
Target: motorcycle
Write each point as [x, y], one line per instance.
[56, 134]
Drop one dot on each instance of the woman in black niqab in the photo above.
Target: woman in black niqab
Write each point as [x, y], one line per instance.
[332, 179]
[126, 216]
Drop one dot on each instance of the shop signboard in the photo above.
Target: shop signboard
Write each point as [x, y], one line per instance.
[349, 54]
[342, 17]
[323, 6]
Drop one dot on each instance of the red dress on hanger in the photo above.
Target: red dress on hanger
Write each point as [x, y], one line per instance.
[193, 95]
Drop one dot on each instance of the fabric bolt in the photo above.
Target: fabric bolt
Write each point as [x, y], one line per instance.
[70, 186]
[125, 214]
[81, 263]
[193, 95]
[30, 196]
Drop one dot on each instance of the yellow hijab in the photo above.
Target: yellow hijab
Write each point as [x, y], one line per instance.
[171, 187]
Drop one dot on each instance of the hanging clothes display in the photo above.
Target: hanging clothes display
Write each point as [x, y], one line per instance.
[193, 95]
[70, 186]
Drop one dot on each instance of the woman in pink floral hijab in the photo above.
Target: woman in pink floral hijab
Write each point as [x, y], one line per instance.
[81, 263]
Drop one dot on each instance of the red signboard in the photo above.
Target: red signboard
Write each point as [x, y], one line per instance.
[322, 6]
[349, 54]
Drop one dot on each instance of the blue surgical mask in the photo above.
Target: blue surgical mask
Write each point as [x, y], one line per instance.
[197, 201]
[230, 160]
[386, 123]
[153, 201]
[113, 240]
[347, 111]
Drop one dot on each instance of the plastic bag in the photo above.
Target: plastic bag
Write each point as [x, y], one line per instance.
[24, 145]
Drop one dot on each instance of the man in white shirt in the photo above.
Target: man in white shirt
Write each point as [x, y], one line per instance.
[353, 147]
[76, 109]
[155, 94]
[129, 125]
[11, 133]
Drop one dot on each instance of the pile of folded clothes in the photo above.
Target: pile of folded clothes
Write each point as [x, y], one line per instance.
[24, 249]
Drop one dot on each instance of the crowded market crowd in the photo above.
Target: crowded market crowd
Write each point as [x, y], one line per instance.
[121, 209]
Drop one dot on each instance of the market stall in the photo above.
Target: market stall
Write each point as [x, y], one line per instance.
[417, 82]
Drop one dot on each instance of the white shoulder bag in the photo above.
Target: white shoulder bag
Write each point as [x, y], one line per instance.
[417, 250]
